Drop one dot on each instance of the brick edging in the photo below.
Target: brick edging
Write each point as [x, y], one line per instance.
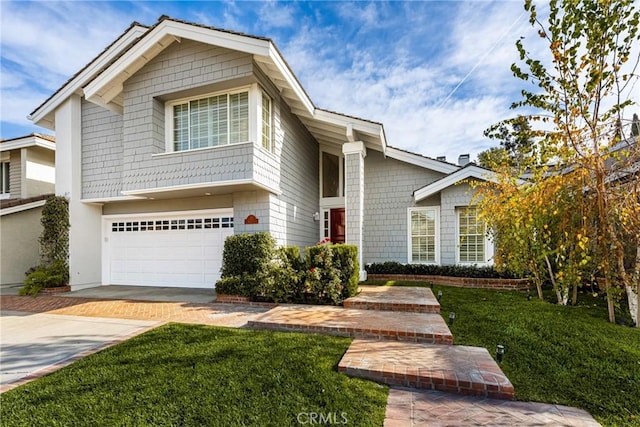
[56, 290]
[237, 299]
[460, 282]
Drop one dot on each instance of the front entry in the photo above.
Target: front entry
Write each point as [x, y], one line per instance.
[337, 226]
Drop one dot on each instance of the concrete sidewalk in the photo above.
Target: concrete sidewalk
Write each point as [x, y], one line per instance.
[34, 344]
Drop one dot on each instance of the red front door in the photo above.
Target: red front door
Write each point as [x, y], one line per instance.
[337, 226]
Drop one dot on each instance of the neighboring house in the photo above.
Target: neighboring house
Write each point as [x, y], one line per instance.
[28, 176]
[178, 135]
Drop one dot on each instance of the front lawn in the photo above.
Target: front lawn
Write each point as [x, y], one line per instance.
[564, 355]
[200, 375]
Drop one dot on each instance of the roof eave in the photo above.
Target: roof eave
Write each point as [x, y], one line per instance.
[469, 171]
[44, 115]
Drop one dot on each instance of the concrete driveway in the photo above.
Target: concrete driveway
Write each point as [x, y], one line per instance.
[37, 343]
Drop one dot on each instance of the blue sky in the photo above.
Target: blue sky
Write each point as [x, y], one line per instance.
[435, 73]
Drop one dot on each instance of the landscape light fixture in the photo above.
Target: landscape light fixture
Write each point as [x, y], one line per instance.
[439, 295]
[452, 318]
[500, 353]
[528, 295]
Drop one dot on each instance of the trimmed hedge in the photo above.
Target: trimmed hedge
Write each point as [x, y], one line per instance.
[253, 267]
[247, 253]
[392, 267]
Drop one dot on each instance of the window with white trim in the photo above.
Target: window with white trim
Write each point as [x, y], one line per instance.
[221, 118]
[266, 122]
[207, 122]
[424, 235]
[4, 178]
[472, 240]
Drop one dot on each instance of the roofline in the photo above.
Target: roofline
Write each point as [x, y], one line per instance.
[353, 123]
[153, 39]
[469, 171]
[32, 140]
[71, 86]
[422, 161]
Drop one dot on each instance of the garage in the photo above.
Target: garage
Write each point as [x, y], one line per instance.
[181, 249]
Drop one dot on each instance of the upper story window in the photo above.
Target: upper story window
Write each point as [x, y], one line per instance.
[332, 174]
[216, 119]
[211, 121]
[266, 122]
[4, 178]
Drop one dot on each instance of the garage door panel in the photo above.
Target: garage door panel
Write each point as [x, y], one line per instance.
[147, 251]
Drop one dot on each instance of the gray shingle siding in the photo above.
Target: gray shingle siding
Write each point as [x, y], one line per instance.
[293, 168]
[389, 186]
[102, 152]
[299, 178]
[186, 68]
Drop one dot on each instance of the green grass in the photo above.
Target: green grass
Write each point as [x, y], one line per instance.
[200, 375]
[563, 355]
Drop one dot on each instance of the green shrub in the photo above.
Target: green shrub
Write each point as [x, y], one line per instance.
[323, 283]
[52, 276]
[247, 253]
[234, 285]
[281, 280]
[345, 259]
[254, 268]
[392, 267]
[54, 240]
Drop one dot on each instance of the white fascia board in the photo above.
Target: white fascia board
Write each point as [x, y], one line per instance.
[20, 208]
[447, 181]
[288, 76]
[26, 143]
[425, 162]
[202, 185]
[359, 125]
[40, 116]
[156, 41]
[103, 200]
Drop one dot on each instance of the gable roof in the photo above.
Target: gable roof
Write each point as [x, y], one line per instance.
[470, 171]
[44, 114]
[101, 81]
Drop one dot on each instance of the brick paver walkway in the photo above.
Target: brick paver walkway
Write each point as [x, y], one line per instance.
[404, 326]
[392, 298]
[412, 408]
[232, 315]
[453, 368]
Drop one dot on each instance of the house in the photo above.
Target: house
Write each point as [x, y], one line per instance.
[27, 177]
[178, 135]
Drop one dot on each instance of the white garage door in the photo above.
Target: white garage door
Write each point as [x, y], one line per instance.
[179, 250]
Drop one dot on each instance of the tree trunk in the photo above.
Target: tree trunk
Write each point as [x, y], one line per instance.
[574, 294]
[538, 282]
[560, 295]
[610, 302]
[633, 298]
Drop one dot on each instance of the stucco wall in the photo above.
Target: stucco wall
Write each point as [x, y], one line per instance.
[388, 187]
[39, 173]
[19, 248]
